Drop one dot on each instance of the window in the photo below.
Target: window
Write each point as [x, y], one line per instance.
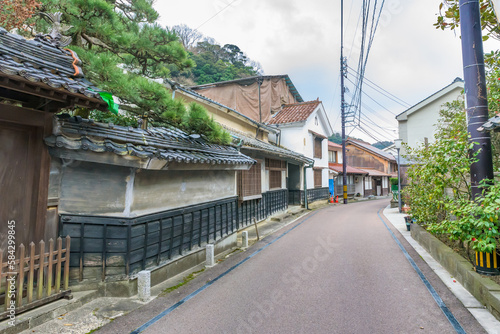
[318, 151]
[318, 179]
[368, 182]
[275, 167]
[332, 156]
[249, 183]
[274, 179]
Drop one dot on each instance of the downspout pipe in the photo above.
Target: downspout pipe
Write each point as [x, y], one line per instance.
[306, 204]
[259, 82]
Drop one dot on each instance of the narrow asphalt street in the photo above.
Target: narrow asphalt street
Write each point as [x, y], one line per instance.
[337, 270]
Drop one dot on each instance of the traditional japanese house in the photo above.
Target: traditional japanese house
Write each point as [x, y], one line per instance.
[134, 199]
[265, 188]
[38, 78]
[379, 165]
[267, 99]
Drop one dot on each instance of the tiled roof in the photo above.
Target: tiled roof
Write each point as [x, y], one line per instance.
[372, 149]
[250, 142]
[296, 112]
[39, 64]
[333, 146]
[375, 172]
[169, 144]
[350, 170]
[492, 124]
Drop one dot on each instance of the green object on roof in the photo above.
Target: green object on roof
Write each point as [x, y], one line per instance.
[108, 98]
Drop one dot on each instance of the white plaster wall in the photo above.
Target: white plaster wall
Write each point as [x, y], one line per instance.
[164, 190]
[422, 123]
[295, 139]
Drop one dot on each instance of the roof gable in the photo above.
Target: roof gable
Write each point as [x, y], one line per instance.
[371, 150]
[456, 84]
[296, 112]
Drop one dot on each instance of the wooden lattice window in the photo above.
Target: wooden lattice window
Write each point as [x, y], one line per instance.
[275, 164]
[275, 179]
[318, 178]
[318, 151]
[249, 183]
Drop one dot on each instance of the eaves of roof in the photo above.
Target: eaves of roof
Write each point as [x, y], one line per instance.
[372, 150]
[30, 66]
[349, 170]
[492, 124]
[458, 82]
[169, 144]
[253, 143]
[374, 172]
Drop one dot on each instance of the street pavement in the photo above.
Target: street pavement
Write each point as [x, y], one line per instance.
[336, 270]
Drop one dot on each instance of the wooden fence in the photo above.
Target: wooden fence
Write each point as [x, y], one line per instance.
[31, 280]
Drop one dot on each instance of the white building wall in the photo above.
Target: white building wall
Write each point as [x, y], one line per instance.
[421, 123]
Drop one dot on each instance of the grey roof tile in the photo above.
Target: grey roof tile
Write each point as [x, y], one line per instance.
[269, 148]
[39, 61]
[492, 124]
[163, 143]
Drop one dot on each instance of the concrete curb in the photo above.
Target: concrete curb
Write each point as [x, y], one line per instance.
[484, 289]
[48, 312]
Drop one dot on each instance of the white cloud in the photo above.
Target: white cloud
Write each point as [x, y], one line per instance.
[409, 57]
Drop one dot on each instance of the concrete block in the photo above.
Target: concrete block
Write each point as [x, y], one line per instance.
[144, 285]
[244, 239]
[210, 261]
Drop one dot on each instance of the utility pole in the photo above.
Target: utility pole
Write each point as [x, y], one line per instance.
[343, 69]
[475, 92]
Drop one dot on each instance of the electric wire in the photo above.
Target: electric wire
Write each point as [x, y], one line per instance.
[375, 101]
[220, 11]
[382, 91]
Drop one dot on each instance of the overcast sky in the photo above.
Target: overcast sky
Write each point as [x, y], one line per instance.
[409, 57]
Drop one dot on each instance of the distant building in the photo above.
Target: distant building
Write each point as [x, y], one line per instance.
[273, 101]
[379, 166]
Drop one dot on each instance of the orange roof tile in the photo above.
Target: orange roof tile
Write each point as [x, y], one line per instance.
[296, 112]
[350, 170]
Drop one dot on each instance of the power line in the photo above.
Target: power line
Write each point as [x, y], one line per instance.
[220, 11]
[394, 97]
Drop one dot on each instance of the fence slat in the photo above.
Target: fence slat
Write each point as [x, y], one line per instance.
[58, 265]
[20, 277]
[49, 269]
[66, 262]
[31, 273]
[41, 269]
[1, 270]
[7, 294]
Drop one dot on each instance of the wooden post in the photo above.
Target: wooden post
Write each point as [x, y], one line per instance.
[31, 272]
[58, 264]
[20, 277]
[49, 271]
[41, 268]
[66, 262]
[7, 294]
[1, 270]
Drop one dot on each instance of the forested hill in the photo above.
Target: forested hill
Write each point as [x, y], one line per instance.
[214, 62]
[337, 138]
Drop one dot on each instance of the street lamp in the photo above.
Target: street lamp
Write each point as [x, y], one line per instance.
[398, 143]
